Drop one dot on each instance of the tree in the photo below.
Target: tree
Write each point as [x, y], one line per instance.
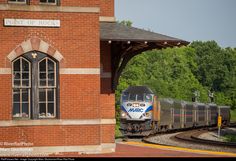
[126, 23]
[178, 72]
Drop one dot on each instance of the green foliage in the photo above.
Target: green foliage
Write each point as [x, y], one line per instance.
[167, 72]
[117, 131]
[230, 138]
[216, 70]
[178, 72]
[233, 115]
[126, 23]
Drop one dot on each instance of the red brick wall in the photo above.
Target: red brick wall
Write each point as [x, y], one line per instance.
[78, 40]
[79, 96]
[81, 3]
[5, 97]
[107, 106]
[108, 133]
[106, 6]
[52, 135]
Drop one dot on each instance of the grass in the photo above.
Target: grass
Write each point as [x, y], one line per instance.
[117, 132]
[233, 116]
[230, 138]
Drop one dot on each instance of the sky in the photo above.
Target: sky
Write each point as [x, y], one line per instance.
[189, 20]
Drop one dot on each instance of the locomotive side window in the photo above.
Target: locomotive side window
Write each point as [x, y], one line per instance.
[148, 98]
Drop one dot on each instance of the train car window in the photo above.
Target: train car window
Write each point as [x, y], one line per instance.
[139, 97]
[125, 97]
[132, 97]
[148, 98]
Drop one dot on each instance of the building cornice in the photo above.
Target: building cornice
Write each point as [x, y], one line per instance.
[107, 19]
[43, 8]
[59, 122]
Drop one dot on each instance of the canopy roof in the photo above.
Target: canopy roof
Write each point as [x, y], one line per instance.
[110, 31]
[127, 42]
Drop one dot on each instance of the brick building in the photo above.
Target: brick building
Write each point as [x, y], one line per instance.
[60, 61]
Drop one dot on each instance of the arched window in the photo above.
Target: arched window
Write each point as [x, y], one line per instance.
[21, 88]
[47, 88]
[35, 86]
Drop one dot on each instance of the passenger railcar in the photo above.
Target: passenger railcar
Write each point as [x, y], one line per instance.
[142, 113]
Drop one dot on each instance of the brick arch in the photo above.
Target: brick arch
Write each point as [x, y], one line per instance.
[35, 44]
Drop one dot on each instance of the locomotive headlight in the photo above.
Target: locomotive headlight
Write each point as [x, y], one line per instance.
[136, 105]
[123, 114]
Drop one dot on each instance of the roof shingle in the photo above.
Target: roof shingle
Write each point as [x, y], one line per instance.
[119, 32]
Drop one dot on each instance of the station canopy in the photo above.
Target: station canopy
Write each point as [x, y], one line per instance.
[119, 32]
[127, 42]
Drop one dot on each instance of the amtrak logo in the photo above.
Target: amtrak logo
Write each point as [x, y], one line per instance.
[136, 110]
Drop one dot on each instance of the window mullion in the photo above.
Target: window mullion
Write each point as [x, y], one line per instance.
[29, 75]
[54, 102]
[21, 100]
[46, 91]
[29, 102]
[46, 72]
[20, 72]
[55, 75]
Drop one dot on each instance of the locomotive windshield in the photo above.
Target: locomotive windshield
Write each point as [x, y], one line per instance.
[139, 97]
[125, 96]
[132, 97]
[136, 97]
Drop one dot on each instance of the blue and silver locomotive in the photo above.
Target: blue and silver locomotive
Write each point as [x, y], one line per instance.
[136, 111]
[142, 114]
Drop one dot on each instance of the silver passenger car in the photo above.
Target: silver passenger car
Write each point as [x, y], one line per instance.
[189, 115]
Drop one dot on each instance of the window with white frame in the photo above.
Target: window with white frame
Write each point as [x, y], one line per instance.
[21, 88]
[17, 1]
[48, 1]
[34, 80]
[47, 88]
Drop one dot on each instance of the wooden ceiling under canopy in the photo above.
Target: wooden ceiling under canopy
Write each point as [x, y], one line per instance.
[127, 42]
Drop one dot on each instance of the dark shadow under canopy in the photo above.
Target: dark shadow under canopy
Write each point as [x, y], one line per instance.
[127, 42]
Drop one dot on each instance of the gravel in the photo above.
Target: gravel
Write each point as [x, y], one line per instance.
[166, 139]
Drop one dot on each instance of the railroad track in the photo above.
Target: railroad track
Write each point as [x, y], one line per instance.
[193, 136]
[191, 139]
[232, 124]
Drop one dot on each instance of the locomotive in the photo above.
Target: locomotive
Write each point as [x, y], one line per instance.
[142, 113]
